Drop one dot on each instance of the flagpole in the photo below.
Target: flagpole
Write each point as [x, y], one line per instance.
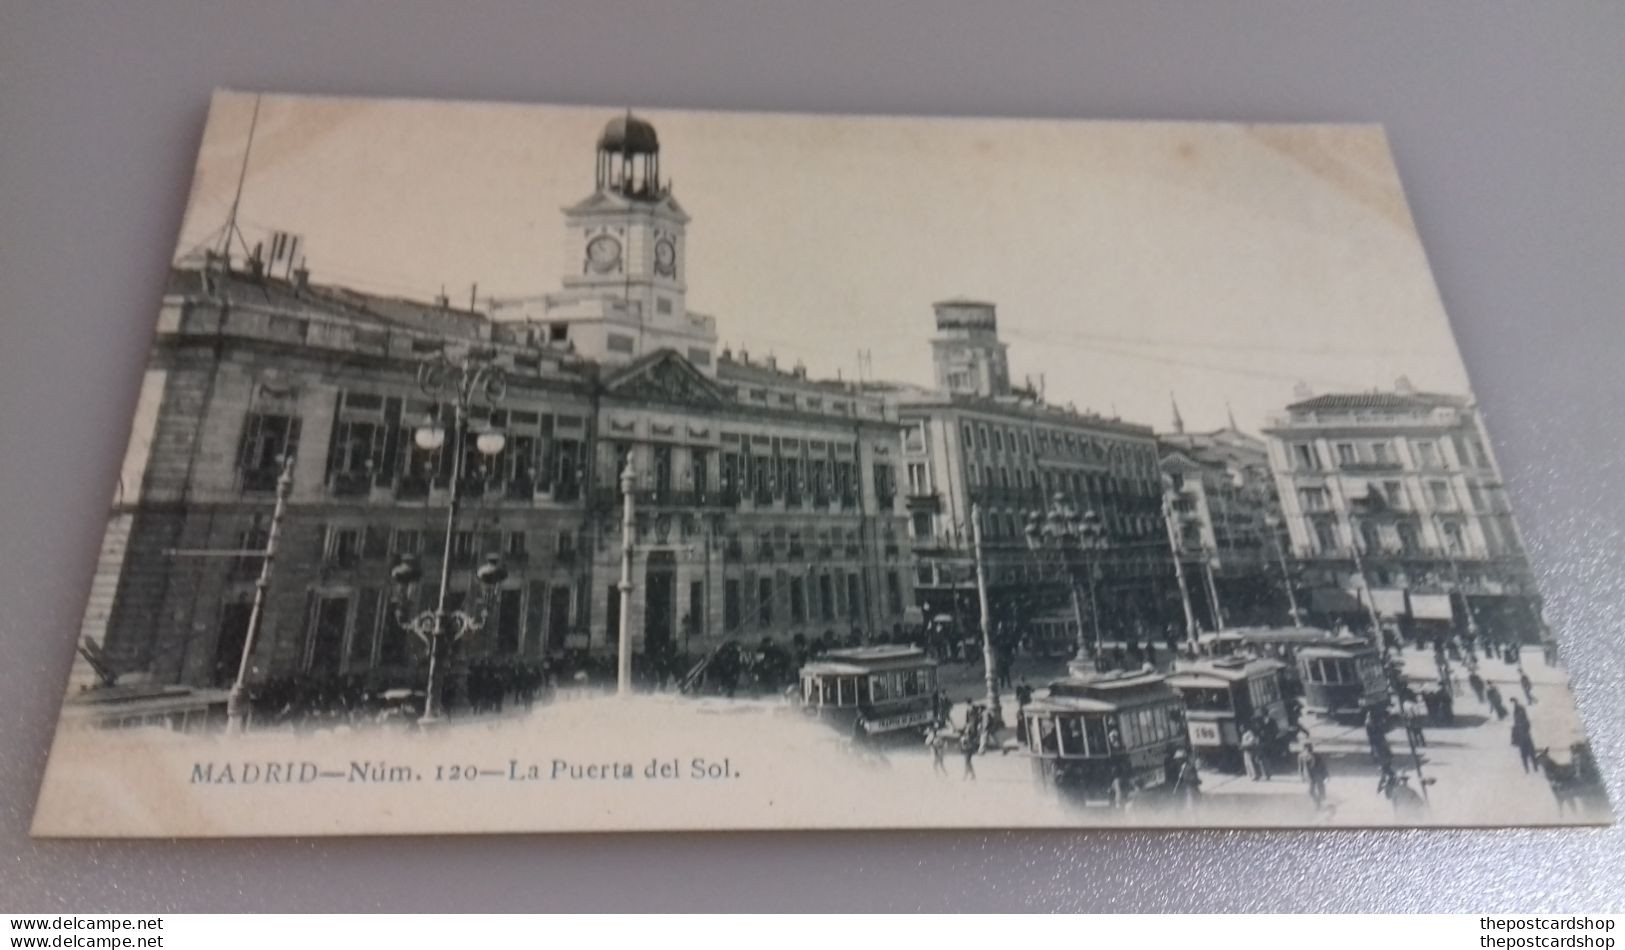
[242, 175]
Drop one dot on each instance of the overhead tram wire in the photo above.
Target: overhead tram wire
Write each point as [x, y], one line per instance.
[1077, 337]
[1198, 364]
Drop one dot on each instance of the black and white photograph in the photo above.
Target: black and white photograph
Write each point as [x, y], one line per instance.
[507, 468]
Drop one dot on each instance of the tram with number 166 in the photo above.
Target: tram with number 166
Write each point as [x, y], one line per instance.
[1091, 732]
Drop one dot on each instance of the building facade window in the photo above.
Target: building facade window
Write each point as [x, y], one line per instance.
[268, 437]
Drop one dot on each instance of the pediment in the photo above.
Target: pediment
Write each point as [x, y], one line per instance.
[665, 376]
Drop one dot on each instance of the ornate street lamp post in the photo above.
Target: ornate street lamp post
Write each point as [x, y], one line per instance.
[1356, 542]
[1273, 522]
[466, 382]
[237, 699]
[1077, 539]
[1176, 548]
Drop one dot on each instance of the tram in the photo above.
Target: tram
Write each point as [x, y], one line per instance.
[1225, 696]
[1052, 635]
[1277, 642]
[180, 708]
[887, 689]
[1342, 678]
[1092, 730]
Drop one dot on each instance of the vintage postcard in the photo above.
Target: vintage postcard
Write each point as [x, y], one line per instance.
[503, 468]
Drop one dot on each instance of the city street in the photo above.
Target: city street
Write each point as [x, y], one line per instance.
[1472, 765]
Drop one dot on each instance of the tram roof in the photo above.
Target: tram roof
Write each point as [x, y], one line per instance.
[1105, 692]
[859, 660]
[1286, 635]
[1342, 647]
[1218, 674]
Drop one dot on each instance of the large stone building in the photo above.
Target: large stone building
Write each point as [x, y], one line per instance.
[766, 502]
[977, 440]
[1396, 493]
[1222, 502]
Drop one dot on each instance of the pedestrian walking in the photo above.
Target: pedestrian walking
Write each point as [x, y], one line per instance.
[1024, 693]
[1250, 758]
[1312, 769]
[1180, 779]
[1406, 800]
[934, 741]
[1528, 686]
[1476, 683]
[967, 748]
[1492, 695]
[1386, 780]
[992, 723]
[1376, 734]
[1523, 738]
[1413, 726]
[1120, 787]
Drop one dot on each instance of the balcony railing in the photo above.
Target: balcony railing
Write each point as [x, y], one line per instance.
[349, 484]
[260, 479]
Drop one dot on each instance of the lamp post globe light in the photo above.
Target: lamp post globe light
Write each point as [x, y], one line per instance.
[1077, 539]
[466, 382]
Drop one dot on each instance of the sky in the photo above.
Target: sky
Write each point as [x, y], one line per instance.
[1132, 264]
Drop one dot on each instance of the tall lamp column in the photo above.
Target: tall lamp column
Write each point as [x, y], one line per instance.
[467, 382]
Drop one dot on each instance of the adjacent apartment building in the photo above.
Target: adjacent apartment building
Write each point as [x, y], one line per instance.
[1393, 501]
[976, 440]
[1227, 525]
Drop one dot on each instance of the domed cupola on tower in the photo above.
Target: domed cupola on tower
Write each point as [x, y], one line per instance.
[629, 159]
[625, 263]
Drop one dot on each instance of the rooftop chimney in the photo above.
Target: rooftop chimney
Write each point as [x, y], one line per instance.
[301, 277]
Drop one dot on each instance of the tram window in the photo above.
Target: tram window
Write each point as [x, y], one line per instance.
[911, 683]
[863, 691]
[1210, 700]
[809, 690]
[1072, 736]
[826, 691]
[1047, 741]
[1095, 729]
[878, 689]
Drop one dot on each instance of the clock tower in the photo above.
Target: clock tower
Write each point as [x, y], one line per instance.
[626, 241]
[625, 265]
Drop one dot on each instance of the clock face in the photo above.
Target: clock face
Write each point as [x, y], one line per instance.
[603, 254]
[665, 258]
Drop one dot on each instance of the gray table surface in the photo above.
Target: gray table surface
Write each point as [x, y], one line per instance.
[1508, 122]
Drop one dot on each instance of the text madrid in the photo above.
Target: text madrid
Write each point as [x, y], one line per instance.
[366, 771]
